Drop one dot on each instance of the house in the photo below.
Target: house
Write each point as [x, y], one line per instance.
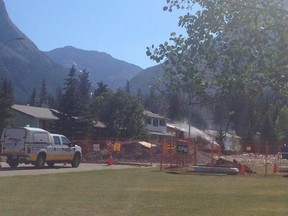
[231, 140]
[157, 128]
[24, 115]
[42, 117]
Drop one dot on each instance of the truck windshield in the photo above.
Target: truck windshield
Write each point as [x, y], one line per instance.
[65, 141]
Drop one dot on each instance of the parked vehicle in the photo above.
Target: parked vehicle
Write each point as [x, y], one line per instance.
[37, 146]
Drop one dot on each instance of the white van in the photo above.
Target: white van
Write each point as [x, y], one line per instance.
[37, 146]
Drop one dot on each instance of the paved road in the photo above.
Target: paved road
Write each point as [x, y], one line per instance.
[5, 170]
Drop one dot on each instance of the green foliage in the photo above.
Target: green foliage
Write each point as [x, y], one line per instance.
[98, 103]
[282, 125]
[6, 101]
[84, 91]
[122, 114]
[175, 107]
[127, 87]
[101, 89]
[73, 105]
[156, 102]
[245, 43]
[233, 51]
[43, 97]
[33, 98]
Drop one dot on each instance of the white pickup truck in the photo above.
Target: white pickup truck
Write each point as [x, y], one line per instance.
[37, 146]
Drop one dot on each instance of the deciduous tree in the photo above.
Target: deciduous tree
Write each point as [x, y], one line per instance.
[233, 50]
[122, 114]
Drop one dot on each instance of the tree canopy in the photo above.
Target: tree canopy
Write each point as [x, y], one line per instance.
[232, 49]
[73, 105]
[121, 112]
[6, 101]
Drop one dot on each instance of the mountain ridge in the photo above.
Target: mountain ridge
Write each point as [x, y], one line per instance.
[100, 65]
[21, 61]
[26, 66]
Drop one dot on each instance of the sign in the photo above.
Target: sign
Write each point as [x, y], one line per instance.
[117, 147]
[168, 147]
[165, 148]
[96, 147]
[182, 149]
[171, 147]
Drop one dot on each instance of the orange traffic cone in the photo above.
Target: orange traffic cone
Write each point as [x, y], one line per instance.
[275, 168]
[110, 160]
[243, 169]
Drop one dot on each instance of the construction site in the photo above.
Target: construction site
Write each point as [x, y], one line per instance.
[184, 156]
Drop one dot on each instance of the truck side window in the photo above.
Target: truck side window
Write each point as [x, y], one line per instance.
[56, 140]
[65, 141]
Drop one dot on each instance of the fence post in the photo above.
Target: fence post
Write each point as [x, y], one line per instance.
[266, 156]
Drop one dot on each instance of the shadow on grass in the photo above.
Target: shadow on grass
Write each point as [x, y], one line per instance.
[9, 169]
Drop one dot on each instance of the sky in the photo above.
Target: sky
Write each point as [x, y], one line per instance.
[121, 28]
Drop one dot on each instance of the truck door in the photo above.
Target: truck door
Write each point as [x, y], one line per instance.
[54, 151]
[14, 139]
[66, 148]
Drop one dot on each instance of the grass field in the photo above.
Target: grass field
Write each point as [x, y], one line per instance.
[143, 191]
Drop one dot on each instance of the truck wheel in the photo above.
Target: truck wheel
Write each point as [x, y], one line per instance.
[13, 163]
[76, 160]
[40, 162]
[51, 164]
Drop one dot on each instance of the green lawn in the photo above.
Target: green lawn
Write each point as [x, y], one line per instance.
[143, 191]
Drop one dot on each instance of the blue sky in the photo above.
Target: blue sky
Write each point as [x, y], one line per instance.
[121, 28]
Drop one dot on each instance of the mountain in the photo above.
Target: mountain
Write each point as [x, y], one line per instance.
[23, 63]
[101, 66]
[146, 78]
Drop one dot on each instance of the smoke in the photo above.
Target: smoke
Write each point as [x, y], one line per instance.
[194, 132]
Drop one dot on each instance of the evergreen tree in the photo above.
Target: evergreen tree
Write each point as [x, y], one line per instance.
[101, 89]
[69, 103]
[128, 86]
[175, 107]
[282, 125]
[72, 121]
[43, 97]
[33, 98]
[6, 101]
[84, 91]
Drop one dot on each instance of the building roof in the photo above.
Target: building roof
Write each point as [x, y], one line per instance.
[153, 115]
[36, 112]
[161, 133]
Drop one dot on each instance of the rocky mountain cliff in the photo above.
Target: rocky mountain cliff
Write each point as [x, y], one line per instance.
[26, 66]
[23, 63]
[101, 66]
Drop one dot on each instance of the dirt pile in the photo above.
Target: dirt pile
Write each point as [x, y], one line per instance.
[221, 162]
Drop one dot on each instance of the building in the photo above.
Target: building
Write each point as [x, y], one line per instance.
[231, 140]
[25, 115]
[157, 128]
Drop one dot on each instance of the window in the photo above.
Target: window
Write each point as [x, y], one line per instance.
[162, 122]
[155, 122]
[56, 140]
[148, 120]
[65, 141]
